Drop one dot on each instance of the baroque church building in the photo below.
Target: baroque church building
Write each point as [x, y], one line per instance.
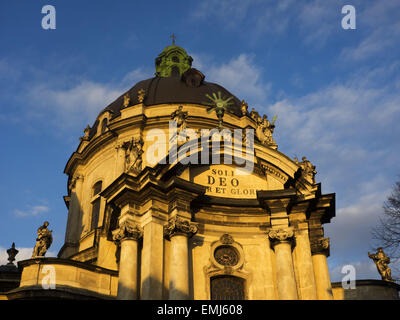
[156, 210]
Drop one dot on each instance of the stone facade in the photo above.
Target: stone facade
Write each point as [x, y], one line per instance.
[139, 229]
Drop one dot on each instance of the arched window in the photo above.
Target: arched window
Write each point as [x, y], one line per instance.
[104, 124]
[96, 205]
[175, 59]
[227, 288]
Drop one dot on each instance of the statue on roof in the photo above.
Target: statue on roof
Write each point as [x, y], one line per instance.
[127, 99]
[43, 241]
[264, 129]
[141, 95]
[244, 106]
[381, 261]
[180, 117]
[307, 169]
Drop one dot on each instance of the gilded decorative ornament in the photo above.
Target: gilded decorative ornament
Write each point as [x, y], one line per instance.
[219, 105]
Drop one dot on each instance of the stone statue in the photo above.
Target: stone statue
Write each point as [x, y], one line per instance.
[127, 99]
[133, 156]
[141, 95]
[264, 130]
[43, 241]
[244, 107]
[381, 261]
[180, 117]
[254, 115]
[308, 170]
[87, 133]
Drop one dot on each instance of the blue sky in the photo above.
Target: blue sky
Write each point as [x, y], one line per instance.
[335, 91]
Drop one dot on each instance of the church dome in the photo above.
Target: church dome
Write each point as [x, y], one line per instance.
[175, 82]
[164, 90]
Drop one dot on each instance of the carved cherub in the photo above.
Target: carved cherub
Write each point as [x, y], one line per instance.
[381, 261]
[43, 241]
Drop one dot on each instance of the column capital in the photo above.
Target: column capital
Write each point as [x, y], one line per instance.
[179, 226]
[320, 246]
[128, 230]
[285, 235]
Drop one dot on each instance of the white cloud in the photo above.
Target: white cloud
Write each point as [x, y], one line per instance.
[379, 40]
[230, 11]
[315, 20]
[365, 269]
[134, 76]
[348, 130]
[31, 211]
[241, 77]
[336, 123]
[80, 103]
[381, 30]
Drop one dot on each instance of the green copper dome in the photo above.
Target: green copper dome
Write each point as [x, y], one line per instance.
[173, 61]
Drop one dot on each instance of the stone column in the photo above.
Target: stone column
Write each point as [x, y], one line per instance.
[320, 251]
[304, 263]
[179, 231]
[152, 260]
[281, 240]
[127, 236]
